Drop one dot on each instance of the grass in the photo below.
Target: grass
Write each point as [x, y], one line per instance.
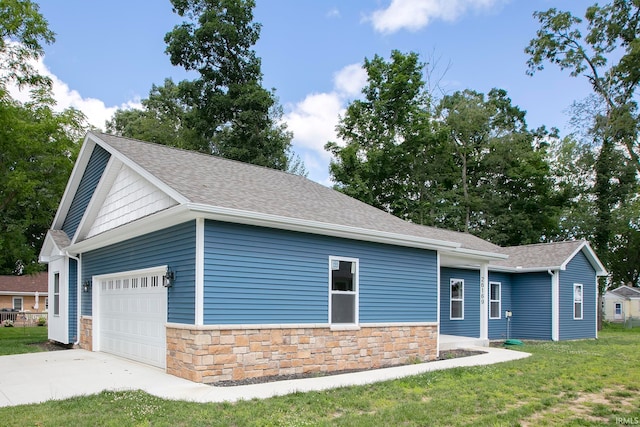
[579, 383]
[20, 339]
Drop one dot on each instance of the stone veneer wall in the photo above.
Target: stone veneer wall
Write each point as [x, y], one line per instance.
[86, 337]
[210, 354]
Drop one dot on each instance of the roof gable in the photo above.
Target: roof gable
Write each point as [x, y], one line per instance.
[208, 183]
[626, 292]
[548, 256]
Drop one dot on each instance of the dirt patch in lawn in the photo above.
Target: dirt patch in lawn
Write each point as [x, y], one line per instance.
[444, 355]
[586, 407]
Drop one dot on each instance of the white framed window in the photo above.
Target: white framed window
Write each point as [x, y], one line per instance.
[456, 311]
[17, 303]
[56, 294]
[577, 301]
[343, 290]
[495, 298]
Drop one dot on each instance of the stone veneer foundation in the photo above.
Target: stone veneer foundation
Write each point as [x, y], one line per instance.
[208, 354]
[86, 337]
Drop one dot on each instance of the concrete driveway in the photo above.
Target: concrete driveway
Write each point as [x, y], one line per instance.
[38, 377]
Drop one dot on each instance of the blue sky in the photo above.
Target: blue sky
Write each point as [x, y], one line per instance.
[108, 54]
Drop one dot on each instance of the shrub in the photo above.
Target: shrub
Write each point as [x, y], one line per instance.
[42, 321]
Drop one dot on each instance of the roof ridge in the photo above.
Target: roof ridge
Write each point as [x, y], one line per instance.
[185, 150]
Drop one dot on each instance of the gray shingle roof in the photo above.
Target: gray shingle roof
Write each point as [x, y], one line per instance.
[539, 255]
[219, 182]
[60, 238]
[626, 292]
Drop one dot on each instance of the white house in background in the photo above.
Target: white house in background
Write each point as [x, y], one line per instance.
[622, 303]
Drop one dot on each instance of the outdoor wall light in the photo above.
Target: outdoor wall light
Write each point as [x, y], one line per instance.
[86, 286]
[167, 280]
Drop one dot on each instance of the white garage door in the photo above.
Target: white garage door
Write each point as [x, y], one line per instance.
[132, 315]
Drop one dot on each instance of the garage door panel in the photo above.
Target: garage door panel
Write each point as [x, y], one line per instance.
[133, 313]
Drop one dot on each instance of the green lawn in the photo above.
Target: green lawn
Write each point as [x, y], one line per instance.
[580, 383]
[20, 339]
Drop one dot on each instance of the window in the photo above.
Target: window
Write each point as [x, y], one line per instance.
[457, 299]
[494, 300]
[56, 294]
[17, 303]
[577, 301]
[343, 293]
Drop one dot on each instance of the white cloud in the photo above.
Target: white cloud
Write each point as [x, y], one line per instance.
[416, 14]
[95, 110]
[313, 120]
[333, 13]
[350, 80]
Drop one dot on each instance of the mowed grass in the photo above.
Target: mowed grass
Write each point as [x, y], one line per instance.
[579, 383]
[21, 339]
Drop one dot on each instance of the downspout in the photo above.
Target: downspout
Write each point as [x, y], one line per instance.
[78, 296]
[555, 305]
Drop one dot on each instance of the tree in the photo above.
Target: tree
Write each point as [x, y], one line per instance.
[503, 179]
[392, 156]
[225, 111]
[468, 164]
[607, 56]
[37, 145]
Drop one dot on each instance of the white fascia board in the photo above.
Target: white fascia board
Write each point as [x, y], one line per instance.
[158, 221]
[481, 255]
[316, 227]
[49, 250]
[591, 256]
[74, 181]
[502, 269]
[24, 294]
[141, 171]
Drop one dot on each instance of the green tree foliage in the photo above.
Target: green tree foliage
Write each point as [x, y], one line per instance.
[468, 163]
[225, 111]
[607, 55]
[393, 157]
[37, 145]
[503, 190]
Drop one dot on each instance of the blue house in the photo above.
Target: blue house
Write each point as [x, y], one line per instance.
[216, 270]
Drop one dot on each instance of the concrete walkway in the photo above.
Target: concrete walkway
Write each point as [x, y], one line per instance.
[38, 377]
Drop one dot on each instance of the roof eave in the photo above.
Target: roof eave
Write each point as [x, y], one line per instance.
[315, 227]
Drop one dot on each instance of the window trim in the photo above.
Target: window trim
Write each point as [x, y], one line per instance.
[492, 301]
[581, 301]
[56, 294]
[451, 299]
[13, 303]
[355, 292]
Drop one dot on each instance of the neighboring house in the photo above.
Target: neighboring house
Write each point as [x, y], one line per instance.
[218, 270]
[621, 304]
[26, 293]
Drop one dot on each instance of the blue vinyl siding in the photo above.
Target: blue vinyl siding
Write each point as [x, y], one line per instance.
[498, 327]
[531, 306]
[92, 174]
[470, 325]
[73, 300]
[579, 270]
[256, 275]
[173, 246]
